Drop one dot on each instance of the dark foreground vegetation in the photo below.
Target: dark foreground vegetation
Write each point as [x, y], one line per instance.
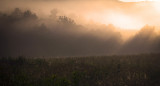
[130, 70]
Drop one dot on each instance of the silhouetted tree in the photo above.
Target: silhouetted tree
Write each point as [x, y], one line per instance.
[66, 20]
[29, 14]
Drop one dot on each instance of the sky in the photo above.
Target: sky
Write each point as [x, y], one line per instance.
[138, 0]
[79, 28]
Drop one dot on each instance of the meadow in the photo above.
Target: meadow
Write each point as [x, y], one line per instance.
[114, 70]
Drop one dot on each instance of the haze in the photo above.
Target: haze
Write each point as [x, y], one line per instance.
[79, 28]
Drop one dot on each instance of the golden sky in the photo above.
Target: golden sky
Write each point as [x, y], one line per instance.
[127, 14]
[137, 0]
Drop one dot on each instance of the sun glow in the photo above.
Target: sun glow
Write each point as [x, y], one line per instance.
[156, 6]
[119, 20]
[125, 22]
[138, 0]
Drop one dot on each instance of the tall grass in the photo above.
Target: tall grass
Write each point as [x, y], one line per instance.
[129, 70]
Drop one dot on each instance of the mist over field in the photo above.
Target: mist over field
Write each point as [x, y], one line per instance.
[24, 32]
[79, 43]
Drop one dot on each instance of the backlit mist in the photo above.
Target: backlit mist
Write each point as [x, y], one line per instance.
[78, 27]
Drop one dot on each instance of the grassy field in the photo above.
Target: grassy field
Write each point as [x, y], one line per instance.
[124, 70]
